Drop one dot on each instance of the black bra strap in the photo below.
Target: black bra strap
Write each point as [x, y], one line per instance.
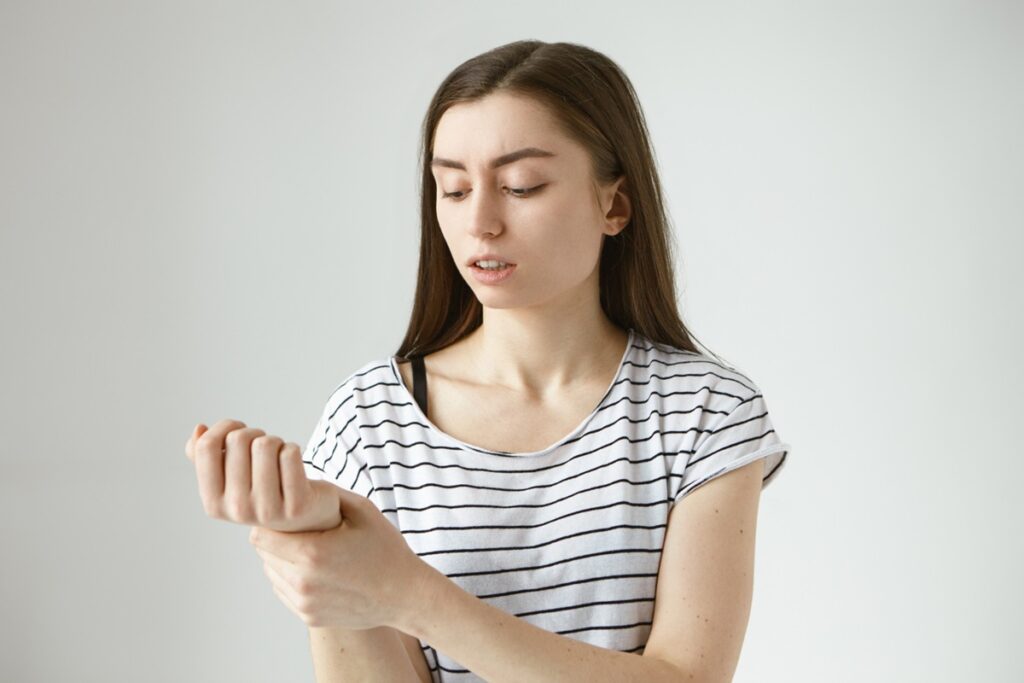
[419, 383]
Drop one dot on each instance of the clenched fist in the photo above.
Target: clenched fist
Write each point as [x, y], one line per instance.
[249, 477]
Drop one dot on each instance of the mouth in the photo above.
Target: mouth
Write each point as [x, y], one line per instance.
[492, 276]
[492, 269]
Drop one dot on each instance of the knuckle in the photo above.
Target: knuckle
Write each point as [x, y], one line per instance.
[290, 452]
[205, 446]
[266, 513]
[304, 588]
[267, 444]
[235, 437]
[260, 446]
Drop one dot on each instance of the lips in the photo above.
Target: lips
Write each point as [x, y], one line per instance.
[488, 257]
[493, 277]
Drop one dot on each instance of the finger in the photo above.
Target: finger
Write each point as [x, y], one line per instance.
[295, 486]
[267, 497]
[276, 571]
[283, 567]
[197, 431]
[287, 601]
[283, 545]
[277, 580]
[209, 462]
[238, 473]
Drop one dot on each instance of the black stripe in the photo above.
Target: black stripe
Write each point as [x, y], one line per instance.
[539, 589]
[567, 560]
[580, 511]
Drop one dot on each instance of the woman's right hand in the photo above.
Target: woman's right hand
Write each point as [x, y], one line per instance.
[248, 477]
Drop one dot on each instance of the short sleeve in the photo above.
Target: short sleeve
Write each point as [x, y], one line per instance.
[742, 434]
[332, 452]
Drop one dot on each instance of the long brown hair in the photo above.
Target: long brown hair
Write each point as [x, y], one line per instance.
[595, 104]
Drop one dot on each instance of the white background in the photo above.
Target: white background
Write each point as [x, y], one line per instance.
[209, 210]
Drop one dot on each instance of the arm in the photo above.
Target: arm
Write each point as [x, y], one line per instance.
[283, 498]
[377, 654]
[704, 593]
[501, 648]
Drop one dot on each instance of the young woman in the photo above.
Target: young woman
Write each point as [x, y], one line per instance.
[547, 480]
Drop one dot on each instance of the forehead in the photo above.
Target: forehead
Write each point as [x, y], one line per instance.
[474, 133]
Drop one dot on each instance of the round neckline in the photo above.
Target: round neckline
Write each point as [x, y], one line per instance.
[393, 363]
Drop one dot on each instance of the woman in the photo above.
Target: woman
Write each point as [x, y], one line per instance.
[534, 518]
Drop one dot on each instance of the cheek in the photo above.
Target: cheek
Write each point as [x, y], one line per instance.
[447, 228]
[569, 251]
[442, 214]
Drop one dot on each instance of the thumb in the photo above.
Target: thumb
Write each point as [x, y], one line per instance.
[353, 505]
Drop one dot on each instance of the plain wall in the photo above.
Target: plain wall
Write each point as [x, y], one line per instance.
[209, 210]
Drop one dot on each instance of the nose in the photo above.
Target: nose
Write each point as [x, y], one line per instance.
[484, 211]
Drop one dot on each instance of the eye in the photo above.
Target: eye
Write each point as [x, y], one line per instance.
[524, 192]
[518, 193]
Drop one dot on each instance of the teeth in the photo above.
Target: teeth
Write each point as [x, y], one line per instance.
[491, 264]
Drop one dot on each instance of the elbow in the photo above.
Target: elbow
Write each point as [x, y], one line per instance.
[677, 673]
[672, 672]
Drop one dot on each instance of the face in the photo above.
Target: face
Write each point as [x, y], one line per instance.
[539, 213]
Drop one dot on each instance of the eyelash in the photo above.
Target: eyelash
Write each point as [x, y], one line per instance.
[526, 192]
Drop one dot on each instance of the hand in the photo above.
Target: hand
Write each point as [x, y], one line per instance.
[360, 575]
[249, 477]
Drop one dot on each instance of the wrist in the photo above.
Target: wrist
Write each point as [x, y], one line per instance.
[323, 512]
[425, 595]
[326, 510]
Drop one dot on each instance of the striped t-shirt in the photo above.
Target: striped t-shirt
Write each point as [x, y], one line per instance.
[568, 538]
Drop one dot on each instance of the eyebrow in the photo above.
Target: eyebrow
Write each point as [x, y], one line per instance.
[500, 161]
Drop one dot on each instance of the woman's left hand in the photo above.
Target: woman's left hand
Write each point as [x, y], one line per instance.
[360, 575]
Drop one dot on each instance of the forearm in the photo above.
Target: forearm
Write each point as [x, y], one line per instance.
[376, 654]
[501, 648]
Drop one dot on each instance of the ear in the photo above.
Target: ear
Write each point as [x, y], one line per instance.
[617, 207]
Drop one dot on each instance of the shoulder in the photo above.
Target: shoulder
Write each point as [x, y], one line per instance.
[691, 370]
[347, 390]
[448, 366]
